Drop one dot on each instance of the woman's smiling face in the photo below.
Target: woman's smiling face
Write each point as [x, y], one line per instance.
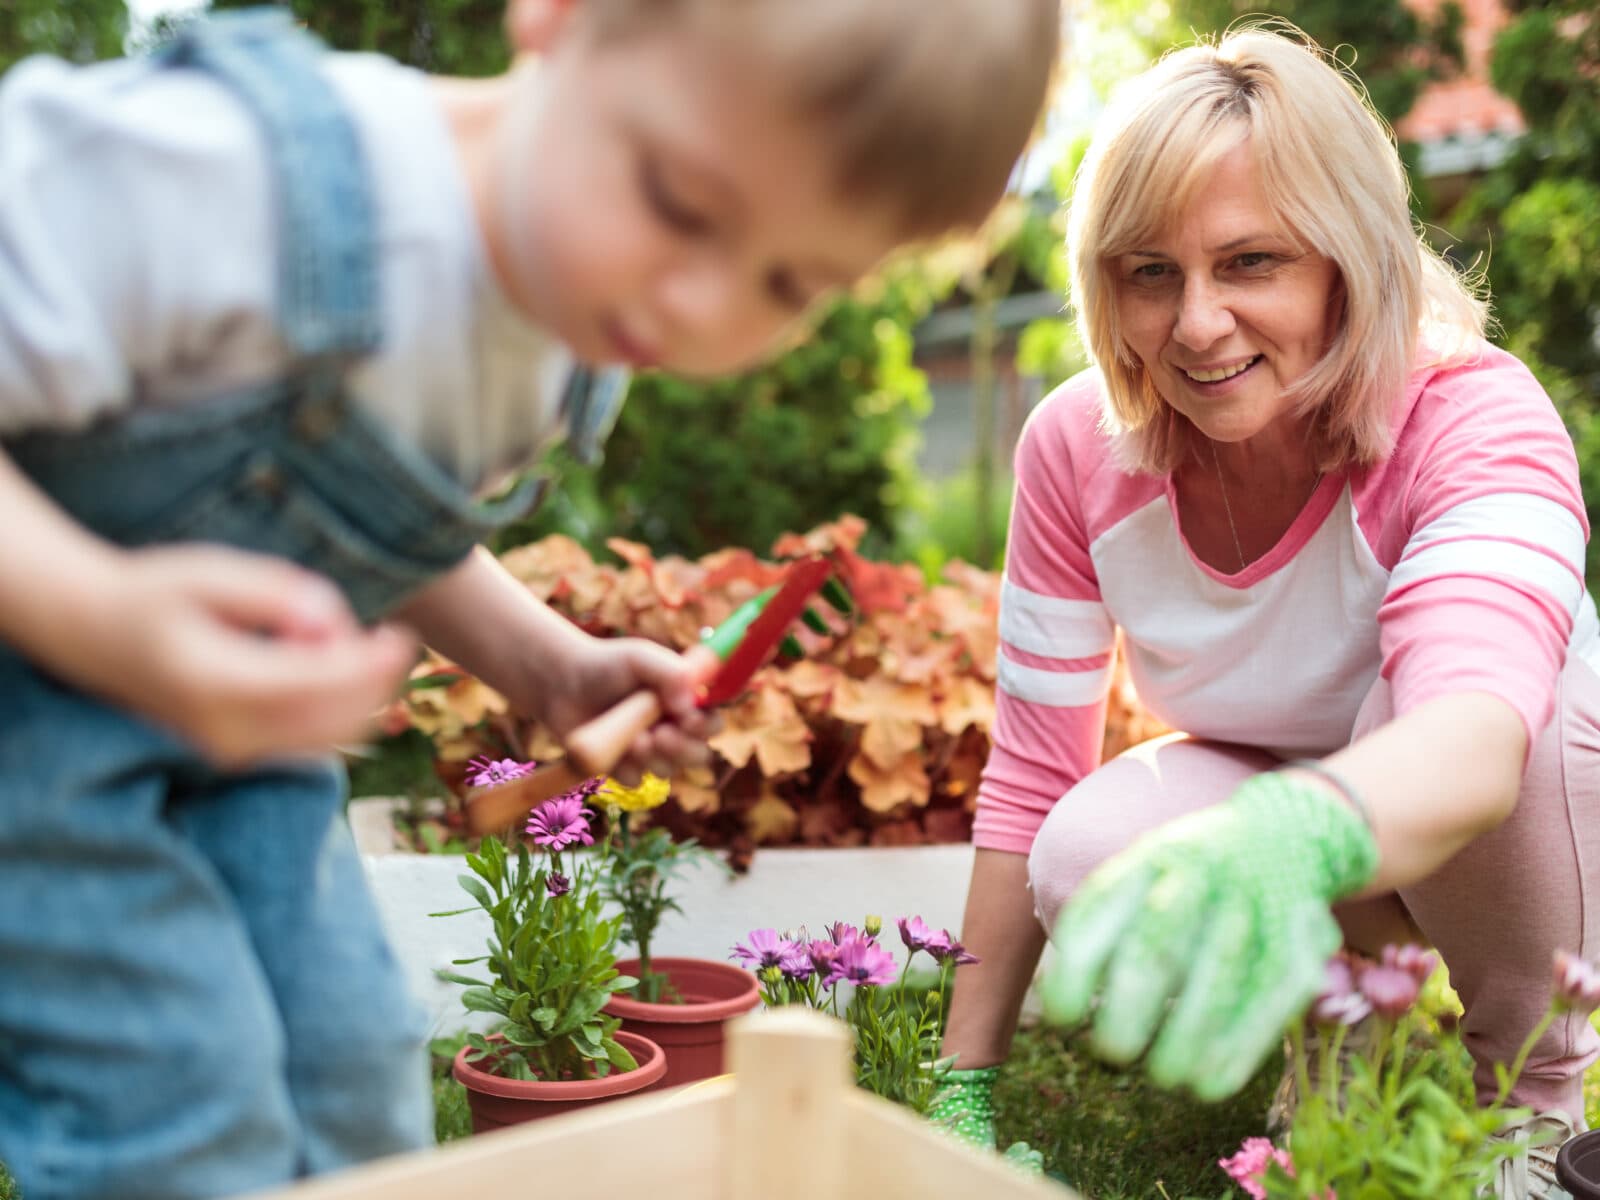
[1227, 308]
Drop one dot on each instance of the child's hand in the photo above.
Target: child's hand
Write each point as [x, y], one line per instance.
[248, 657]
[599, 672]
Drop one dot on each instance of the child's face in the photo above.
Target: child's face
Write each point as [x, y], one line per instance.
[654, 203]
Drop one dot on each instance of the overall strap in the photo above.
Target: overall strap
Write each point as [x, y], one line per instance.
[328, 300]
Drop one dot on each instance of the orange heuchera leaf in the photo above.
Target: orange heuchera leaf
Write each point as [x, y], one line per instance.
[771, 818]
[887, 740]
[723, 567]
[809, 679]
[966, 701]
[695, 789]
[843, 534]
[865, 700]
[765, 724]
[544, 564]
[885, 790]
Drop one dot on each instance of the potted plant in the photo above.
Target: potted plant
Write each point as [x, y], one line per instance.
[682, 1004]
[551, 967]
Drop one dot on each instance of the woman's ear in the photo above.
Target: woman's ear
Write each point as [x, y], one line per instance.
[533, 25]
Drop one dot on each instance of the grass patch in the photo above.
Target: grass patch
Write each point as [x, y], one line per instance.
[1110, 1133]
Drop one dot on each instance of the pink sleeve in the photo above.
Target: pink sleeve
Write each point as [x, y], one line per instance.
[1053, 670]
[1489, 579]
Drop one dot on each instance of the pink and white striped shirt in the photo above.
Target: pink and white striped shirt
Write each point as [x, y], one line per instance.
[1454, 565]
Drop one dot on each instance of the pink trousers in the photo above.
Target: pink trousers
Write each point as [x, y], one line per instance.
[1496, 912]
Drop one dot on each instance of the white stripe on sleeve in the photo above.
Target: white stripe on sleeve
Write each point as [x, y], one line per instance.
[1519, 515]
[1053, 626]
[1057, 689]
[1472, 539]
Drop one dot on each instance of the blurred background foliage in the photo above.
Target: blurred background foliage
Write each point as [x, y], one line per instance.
[835, 424]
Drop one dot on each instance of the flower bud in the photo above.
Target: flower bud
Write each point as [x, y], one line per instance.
[1577, 984]
[872, 925]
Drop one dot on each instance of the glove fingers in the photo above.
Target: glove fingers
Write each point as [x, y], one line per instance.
[1289, 978]
[1293, 976]
[1149, 965]
[1087, 932]
[1202, 1007]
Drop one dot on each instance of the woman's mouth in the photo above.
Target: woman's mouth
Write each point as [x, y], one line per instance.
[1222, 373]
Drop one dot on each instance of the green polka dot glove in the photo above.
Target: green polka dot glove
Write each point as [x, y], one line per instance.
[964, 1108]
[965, 1105]
[1203, 939]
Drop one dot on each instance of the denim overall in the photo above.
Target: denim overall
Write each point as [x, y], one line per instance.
[196, 995]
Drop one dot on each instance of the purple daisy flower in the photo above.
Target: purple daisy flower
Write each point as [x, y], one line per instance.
[862, 961]
[557, 824]
[557, 884]
[944, 948]
[1412, 958]
[1577, 983]
[839, 933]
[914, 933]
[483, 771]
[1340, 1002]
[822, 953]
[764, 948]
[1392, 990]
[795, 962]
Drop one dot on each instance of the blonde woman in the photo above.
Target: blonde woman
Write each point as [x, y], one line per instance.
[1342, 540]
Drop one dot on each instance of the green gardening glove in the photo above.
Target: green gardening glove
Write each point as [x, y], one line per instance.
[964, 1108]
[965, 1105]
[1204, 938]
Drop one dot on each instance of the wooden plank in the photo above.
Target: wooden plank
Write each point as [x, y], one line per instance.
[663, 1146]
[893, 1154]
[793, 1071]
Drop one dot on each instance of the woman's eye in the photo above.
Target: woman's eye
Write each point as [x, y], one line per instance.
[1253, 258]
[665, 203]
[1149, 272]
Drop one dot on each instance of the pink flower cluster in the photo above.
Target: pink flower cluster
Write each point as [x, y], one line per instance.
[1353, 988]
[846, 955]
[1248, 1167]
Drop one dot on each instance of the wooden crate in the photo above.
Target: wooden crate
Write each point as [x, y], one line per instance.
[789, 1124]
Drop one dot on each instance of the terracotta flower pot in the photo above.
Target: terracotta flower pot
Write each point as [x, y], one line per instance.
[496, 1102]
[691, 1033]
[1578, 1166]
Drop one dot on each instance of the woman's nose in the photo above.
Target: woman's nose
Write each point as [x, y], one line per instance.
[1204, 317]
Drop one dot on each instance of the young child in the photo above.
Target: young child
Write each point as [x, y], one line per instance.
[271, 322]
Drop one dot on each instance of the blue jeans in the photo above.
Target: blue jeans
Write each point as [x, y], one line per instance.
[197, 996]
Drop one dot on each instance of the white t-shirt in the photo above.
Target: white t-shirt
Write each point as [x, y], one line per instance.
[139, 261]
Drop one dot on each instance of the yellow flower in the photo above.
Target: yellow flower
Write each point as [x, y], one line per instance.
[651, 793]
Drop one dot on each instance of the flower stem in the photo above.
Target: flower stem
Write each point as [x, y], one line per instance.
[1521, 1059]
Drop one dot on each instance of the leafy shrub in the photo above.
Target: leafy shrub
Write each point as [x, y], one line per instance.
[877, 736]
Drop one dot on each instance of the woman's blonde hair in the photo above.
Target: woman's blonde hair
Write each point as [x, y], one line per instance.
[1330, 170]
[928, 104]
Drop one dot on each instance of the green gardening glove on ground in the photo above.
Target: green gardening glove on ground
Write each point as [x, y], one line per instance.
[965, 1105]
[964, 1108]
[1203, 939]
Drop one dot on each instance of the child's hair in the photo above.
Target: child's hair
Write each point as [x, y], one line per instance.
[929, 103]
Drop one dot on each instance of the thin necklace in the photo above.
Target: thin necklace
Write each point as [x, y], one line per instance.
[1227, 508]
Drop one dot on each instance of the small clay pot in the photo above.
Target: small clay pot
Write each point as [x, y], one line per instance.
[691, 1032]
[1578, 1166]
[496, 1102]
